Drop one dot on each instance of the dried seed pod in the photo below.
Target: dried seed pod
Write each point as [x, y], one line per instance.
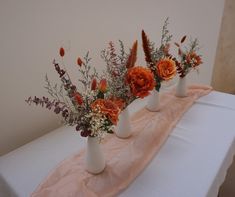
[177, 44]
[103, 86]
[94, 84]
[133, 56]
[62, 52]
[183, 39]
[146, 48]
[79, 61]
[179, 52]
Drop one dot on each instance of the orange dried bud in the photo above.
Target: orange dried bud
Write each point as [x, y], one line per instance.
[103, 86]
[179, 52]
[79, 61]
[62, 52]
[78, 98]
[93, 84]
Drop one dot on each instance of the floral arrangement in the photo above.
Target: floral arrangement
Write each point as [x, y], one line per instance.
[188, 57]
[91, 110]
[127, 82]
[159, 60]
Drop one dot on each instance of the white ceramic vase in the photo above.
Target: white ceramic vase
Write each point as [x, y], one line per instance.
[95, 161]
[181, 88]
[123, 129]
[153, 103]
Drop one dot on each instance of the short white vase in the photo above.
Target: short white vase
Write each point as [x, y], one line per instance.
[181, 88]
[123, 129]
[95, 161]
[153, 103]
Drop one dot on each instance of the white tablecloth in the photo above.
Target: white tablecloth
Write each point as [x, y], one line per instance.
[193, 161]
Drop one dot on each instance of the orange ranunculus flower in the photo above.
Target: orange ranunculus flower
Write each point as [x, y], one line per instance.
[141, 81]
[193, 59]
[108, 108]
[118, 101]
[103, 87]
[166, 68]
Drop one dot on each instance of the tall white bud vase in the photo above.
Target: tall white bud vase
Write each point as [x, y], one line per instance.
[95, 161]
[181, 88]
[153, 103]
[123, 129]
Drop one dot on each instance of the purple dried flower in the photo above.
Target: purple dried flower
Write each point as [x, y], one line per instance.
[85, 133]
[78, 127]
[65, 113]
[57, 110]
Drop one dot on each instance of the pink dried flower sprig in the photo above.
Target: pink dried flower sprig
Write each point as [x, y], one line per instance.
[59, 107]
[117, 64]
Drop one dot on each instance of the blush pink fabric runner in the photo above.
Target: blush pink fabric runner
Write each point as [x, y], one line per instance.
[125, 158]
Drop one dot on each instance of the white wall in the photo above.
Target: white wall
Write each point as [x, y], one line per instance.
[32, 31]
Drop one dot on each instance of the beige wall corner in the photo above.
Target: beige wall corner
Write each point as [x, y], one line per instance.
[223, 78]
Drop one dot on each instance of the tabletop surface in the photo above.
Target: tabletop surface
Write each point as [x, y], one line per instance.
[192, 162]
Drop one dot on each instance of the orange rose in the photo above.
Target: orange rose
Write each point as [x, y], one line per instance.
[140, 80]
[103, 86]
[108, 108]
[166, 69]
[193, 59]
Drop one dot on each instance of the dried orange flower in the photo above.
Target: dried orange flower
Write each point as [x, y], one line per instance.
[103, 86]
[119, 102]
[79, 61]
[78, 98]
[166, 69]
[93, 84]
[193, 59]
[62, 52]
[108, 108]
[140, 80]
